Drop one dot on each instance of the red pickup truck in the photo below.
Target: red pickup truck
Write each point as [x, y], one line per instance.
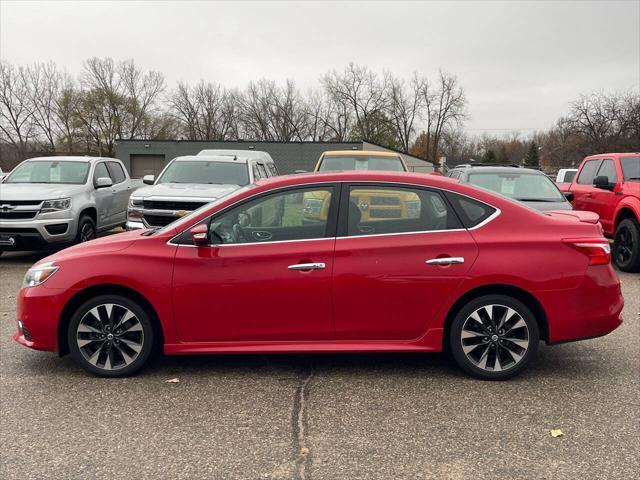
[609, 185]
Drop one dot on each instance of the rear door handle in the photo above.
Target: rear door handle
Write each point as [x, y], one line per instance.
[307, 266]
[445, 260]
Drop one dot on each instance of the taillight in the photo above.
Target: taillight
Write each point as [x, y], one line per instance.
[598, 251]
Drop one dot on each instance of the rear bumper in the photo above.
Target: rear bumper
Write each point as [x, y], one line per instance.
[590, 310]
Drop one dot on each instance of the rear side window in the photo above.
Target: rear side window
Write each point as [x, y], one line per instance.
[471, 212]
[631, 168]
[608, 169]
[272, 169]
[588, 172]
[116, 172]
[377, 210]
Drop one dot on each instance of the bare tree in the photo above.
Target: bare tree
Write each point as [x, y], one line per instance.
[404, 104]
[141, 92]
[16, 111]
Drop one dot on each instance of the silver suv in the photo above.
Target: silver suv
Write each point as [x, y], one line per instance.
[61, 200]
[189, 182]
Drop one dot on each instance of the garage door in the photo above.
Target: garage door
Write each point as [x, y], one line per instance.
[142, 165]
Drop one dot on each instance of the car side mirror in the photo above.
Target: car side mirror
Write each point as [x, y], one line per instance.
[199, 234]
[569, 196]
[103, 182]
[602, 181]
[149, 179]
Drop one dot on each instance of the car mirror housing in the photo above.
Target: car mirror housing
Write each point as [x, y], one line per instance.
[602, 181]
[569, 196]
[149, 179]
[103, 182]
[199, 234]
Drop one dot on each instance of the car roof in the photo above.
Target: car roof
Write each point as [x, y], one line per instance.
[70, 158]
[359, 176]
[211, 158]
[248, 154]
[359, 153]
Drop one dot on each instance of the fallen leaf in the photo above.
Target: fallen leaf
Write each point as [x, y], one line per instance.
[172, 380]
[304, 451]
[556, 433]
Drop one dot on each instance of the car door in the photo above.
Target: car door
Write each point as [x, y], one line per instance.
[121, 191]
[395, 269]
[104, 196]
[265, 276]
[583, 188]
[603, 202]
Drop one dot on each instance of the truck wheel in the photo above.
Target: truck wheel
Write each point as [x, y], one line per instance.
[86, 229]
[626, 246]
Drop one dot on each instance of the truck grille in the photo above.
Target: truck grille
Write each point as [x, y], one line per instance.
[391, 213]
[171, 205]
[20, 202]
[158, 220]
[20, 215]
[385, 201]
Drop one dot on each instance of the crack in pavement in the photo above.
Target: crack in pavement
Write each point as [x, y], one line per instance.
[299, 425]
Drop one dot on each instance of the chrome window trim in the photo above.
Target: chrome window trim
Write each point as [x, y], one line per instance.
[490, 218]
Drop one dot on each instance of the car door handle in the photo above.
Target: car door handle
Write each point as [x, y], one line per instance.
[307, 266]
[445, 260]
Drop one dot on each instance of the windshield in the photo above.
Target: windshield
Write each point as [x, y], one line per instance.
[228, 173]
[631, 168]
[53, 171]
[360, 162]
[180, 222]
[519, 186]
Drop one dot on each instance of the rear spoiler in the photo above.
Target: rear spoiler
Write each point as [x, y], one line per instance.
[580, 215]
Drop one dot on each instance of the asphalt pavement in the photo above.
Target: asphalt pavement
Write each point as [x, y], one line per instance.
[321, 416]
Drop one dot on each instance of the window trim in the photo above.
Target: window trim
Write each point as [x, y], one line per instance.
[112, 174]
[93, 175]
[340, 185]
[614, 168]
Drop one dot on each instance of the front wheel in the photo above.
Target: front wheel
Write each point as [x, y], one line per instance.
[626, 246]
[110, 336]
[494, 337]
[86, 229]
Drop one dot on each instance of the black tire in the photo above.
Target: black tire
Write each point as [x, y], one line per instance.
[491, 344]
[129, 347]
[86, 229]
[626, 245]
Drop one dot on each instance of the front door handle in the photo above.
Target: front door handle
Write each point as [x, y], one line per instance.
[445, 260]
[307, 266]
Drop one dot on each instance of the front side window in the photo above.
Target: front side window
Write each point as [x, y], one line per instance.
[631, 168]
[263, 171]
[608, 169]
[276, 217]
[100, 172]
[375, 210]
[116, 172]
[50, 171]
[588, 172]
[360, 162]
[207, 172]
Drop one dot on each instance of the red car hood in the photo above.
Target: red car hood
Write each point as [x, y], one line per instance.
[110, 243]
[580, 215]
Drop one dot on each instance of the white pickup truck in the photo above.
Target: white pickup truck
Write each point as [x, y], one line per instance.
[54, 201]
[189, 182]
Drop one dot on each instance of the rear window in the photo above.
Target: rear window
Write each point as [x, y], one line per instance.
[631, 168]
[471, 212]
[360, 162]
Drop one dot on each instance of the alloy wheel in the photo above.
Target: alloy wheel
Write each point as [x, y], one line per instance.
[87, 232]
[110, 336]
[495, 338]
[623, 245]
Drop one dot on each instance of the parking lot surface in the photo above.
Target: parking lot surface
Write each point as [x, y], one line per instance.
[321, 417]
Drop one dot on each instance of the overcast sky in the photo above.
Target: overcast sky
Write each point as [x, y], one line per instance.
[520, 63]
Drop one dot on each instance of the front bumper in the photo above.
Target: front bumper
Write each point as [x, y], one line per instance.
[36, 233]
[39, 310]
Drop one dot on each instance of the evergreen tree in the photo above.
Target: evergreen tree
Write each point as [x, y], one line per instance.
[489, 156]
[532, 158]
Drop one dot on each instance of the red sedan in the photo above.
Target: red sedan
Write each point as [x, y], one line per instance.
[336, 262]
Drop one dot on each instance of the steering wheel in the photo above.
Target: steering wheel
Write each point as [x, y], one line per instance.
[238, 233]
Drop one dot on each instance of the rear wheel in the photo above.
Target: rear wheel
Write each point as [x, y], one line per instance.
[110, 336]
[626, 246]
[494, 337]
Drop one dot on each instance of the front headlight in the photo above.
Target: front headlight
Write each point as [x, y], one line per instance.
[55, 205]
[39, 274]
[135, 202]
